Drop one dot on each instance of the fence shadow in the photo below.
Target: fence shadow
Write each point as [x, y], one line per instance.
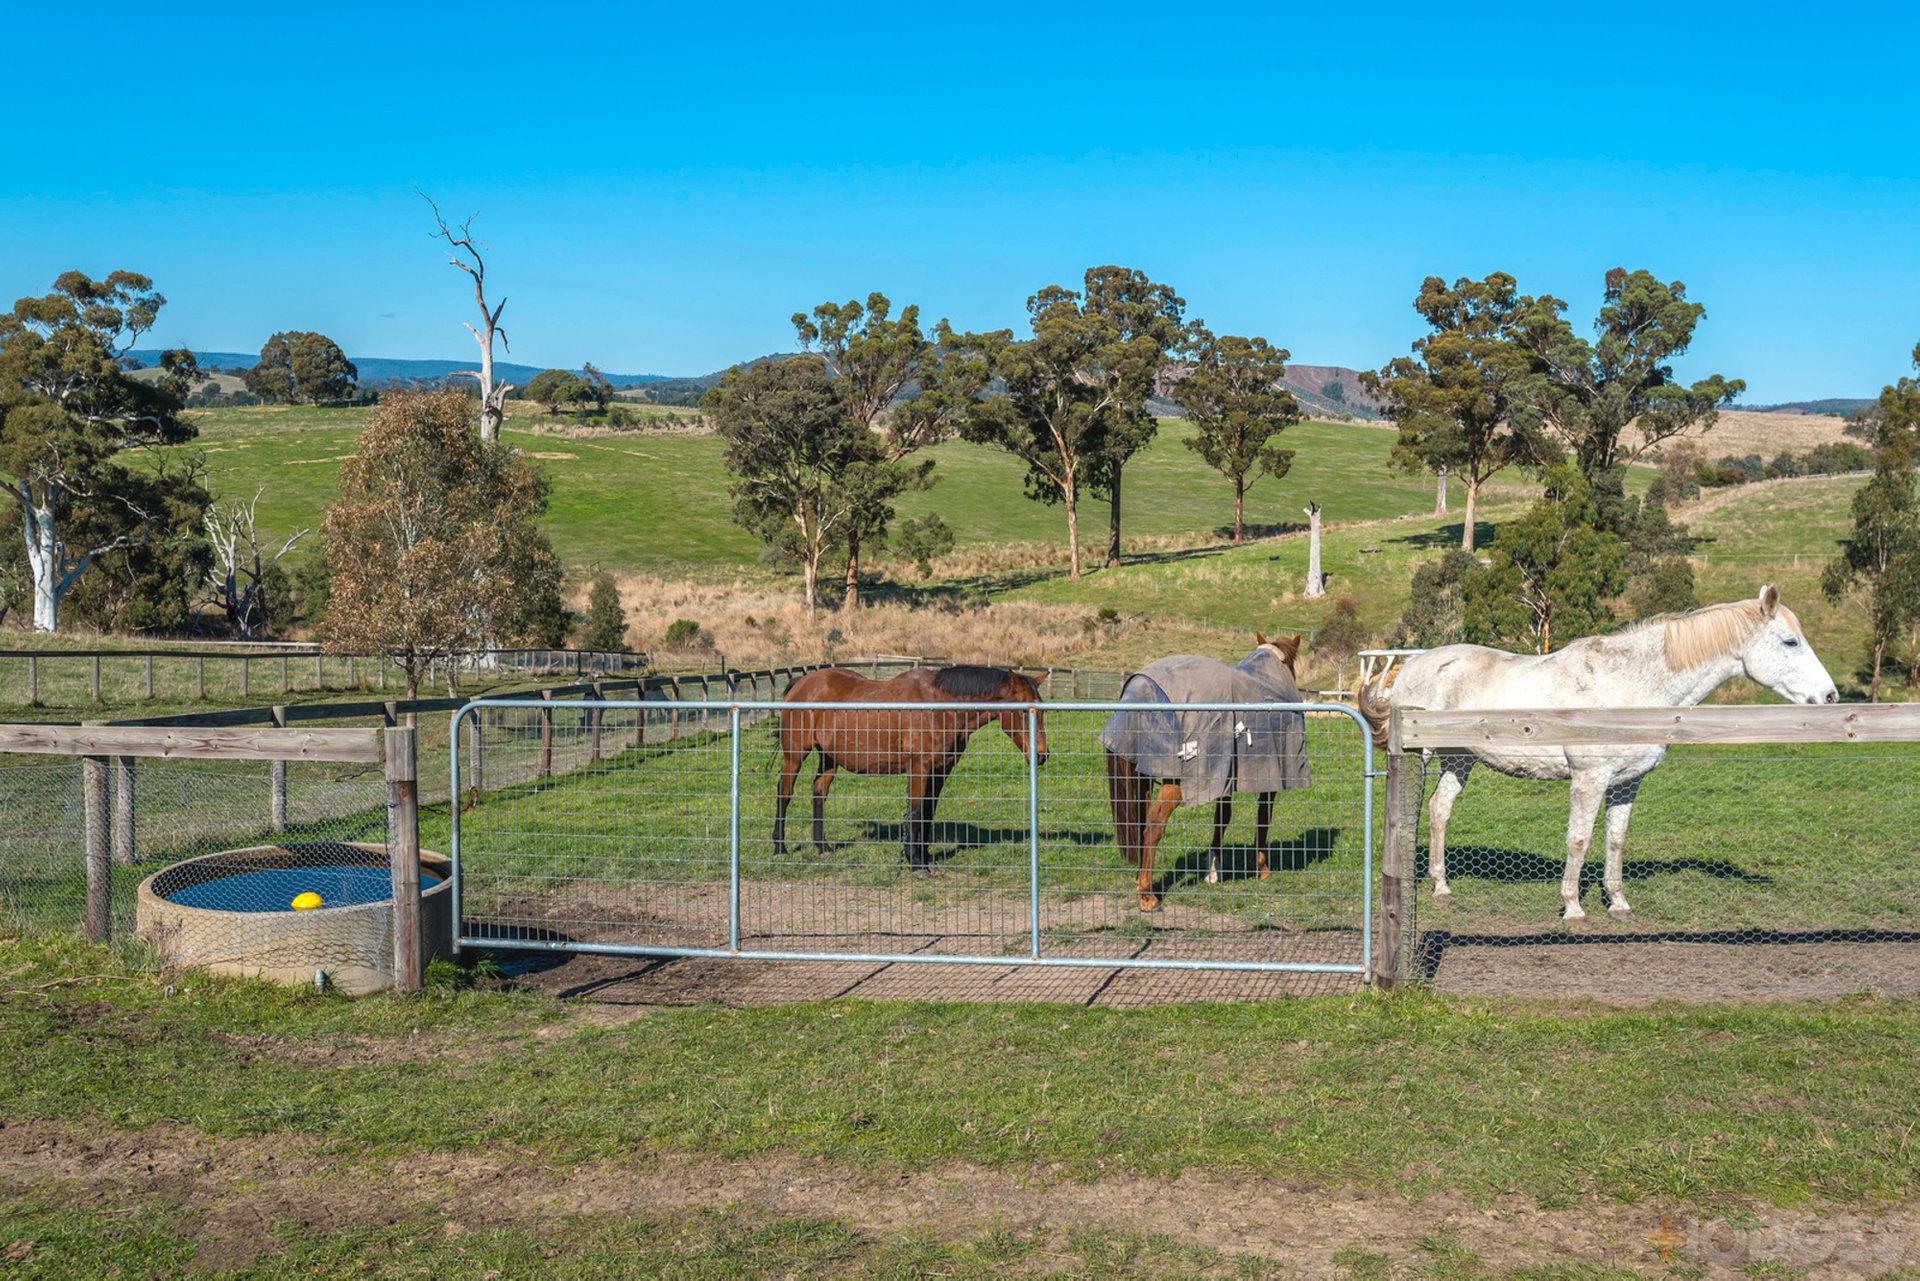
[1513, 867]
[1434, 944]
[958, 836]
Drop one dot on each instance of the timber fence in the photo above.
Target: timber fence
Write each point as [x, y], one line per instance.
[70, 677]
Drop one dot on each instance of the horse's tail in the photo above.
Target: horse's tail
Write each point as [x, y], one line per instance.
[1371, 703]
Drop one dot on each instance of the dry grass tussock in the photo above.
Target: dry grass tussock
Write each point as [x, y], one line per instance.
[1741, 431]
[756, 626]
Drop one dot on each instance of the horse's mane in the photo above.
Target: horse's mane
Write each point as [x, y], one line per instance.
[970, 681]
[1699, 635]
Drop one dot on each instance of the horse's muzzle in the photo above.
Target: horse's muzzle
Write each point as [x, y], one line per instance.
[1039, 758]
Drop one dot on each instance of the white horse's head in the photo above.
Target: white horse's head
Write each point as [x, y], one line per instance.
[1778, 655]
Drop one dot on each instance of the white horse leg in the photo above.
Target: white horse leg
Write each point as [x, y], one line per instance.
[1619, 810]
[1588, 790]
[1453, 776]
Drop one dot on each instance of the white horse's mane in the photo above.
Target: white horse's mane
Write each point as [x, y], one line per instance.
[1703, 634]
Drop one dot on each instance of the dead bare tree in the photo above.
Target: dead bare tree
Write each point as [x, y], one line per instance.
[238, 577]
[492, 395]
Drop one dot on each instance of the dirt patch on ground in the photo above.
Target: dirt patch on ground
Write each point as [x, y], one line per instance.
[239, 1189]
[1634, 972]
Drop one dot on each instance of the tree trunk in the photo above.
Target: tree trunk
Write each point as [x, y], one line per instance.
[1073, 529]
[1113, 522]
[1239, 507]
[1879, 652]
[1440, 493]
[1316, 581]
[813, 579]
[1473, 494]
[43, 558]
[851, 598]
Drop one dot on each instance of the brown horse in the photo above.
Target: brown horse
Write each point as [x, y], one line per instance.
[922, 744]
[1138, 827]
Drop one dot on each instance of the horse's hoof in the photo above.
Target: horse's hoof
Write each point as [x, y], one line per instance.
[1442, 895]
[1572, 912]
[1149, 902]
[1620, 912]
[1264, 873]
[1213, 877]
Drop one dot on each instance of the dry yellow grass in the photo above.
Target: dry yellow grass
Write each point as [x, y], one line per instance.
[754, 626]
[1740, 432]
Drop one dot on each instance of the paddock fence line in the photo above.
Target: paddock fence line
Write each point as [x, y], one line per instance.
[1771, 853]
[667, 840]
[68, 677]
[118, 829]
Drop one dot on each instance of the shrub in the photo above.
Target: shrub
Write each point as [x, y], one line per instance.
[922, 538]
[683, 633]
[605, 626]
[1343, 634]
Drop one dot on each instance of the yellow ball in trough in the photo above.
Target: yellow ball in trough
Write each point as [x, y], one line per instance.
[307, 902]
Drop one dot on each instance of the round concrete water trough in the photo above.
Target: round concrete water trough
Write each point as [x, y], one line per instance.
[238, 917]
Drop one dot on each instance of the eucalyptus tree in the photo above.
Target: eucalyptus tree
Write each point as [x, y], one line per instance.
[1611, 400]
[68, 414]
[1456, 400]
[300, 367]
[1232, 395]
[796, 457]
[872, 361]
[1147, 319]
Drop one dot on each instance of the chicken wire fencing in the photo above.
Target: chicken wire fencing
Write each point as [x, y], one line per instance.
[199, 861]
[957, 832]
[1752, 871]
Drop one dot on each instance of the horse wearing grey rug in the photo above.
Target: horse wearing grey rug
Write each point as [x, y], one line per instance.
[1201, 755]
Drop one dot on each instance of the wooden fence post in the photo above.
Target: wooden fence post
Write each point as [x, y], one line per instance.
[546, 734]
[93, 784]
[351, 682]
[199, 676]
[319, 670]
[1404, 786]
[33, 680]
[246, 676]
[403, 852]
[123, 829]
[277, 781]
[96, 678]
[149, 675]
[673, 713]
[286, 677]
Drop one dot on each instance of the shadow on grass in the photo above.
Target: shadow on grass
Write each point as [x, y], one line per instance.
[1315, 845]
[1513, 867]
[1434, 944]
[1447, 537]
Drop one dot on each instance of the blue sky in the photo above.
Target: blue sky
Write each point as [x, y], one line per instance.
[660, 188]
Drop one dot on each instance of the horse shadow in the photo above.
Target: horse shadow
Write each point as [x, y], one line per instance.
[947, 840]
[1514, 867]
[1315, 845]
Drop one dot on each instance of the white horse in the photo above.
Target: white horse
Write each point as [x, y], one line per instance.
[1672, 661]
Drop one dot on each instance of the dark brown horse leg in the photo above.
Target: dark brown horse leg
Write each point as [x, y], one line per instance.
[1222, 815]
[936, 783]
[1263, 821]
[1157, 816]
[822, 784]
[790, 763]
[1127, 793]
[919, 803]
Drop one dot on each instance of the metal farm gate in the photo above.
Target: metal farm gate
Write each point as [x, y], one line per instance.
[646, 828]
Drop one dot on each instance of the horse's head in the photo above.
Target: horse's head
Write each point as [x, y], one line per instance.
[1013, 721]
[1777, 654]
[1287, 647]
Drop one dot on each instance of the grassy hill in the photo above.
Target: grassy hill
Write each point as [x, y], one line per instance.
[655, 506]
[658, 502]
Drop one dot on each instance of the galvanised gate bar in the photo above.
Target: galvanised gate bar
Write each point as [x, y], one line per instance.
[652, 828]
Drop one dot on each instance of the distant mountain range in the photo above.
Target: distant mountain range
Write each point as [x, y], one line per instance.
[376, 371]
[1321, 389]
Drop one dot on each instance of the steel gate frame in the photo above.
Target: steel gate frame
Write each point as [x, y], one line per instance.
[734, 707]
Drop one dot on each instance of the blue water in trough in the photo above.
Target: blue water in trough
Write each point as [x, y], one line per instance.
[274, 889]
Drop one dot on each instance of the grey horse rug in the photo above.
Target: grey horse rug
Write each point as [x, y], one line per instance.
[1212, 753]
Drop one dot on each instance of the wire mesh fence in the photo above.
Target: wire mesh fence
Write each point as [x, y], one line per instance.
[205, 860]
[962, 832]
[1757, 871]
